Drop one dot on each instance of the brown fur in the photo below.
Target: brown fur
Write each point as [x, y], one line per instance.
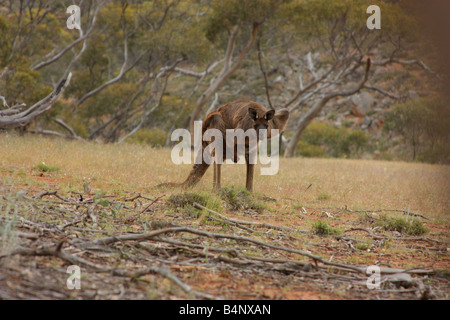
[241, 114]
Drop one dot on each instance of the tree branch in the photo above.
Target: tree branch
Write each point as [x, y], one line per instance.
[145, 116]
[71, 45]
[191, 73]
[383, 92]
[113, 80]
[419, 62]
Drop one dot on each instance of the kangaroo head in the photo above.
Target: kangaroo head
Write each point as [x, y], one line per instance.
[260, 118]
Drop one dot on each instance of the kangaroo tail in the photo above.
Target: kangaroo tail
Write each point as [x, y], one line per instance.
[197, 172]
[213, 120]
[168, 185]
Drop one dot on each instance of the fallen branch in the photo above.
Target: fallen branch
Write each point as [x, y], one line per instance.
[380, 237]
[235, 221]
[407, 212]
[51, 193]
[166, 274]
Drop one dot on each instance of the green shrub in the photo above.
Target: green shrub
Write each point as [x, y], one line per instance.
[42, 167]
[240, 199]
[413, 227]
[322, 140]
[323, 229]
[323, 196]
[319, 133]
[362, 246]
[424, 125]
[187, 200]
[353, 142]
[438, 152]
[310, 151]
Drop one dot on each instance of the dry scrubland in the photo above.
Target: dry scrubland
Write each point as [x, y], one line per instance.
[306, 191]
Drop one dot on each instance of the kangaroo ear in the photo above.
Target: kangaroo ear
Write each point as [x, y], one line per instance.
[269, 115]
[280, 119]
[253, 114]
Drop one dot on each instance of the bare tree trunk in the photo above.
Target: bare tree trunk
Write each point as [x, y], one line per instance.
[263, 71]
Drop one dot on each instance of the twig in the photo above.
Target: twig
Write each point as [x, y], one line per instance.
[155, 200]
[51, 193]
[71, 224]
[137, 215]
[71, 45]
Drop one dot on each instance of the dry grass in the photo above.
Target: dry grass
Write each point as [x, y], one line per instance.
[359, 184]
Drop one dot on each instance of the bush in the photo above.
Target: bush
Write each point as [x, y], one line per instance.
[42, 167]
[438, 152]
[187, 200]
[424, 124]
[323, 140]
[353, 142]
[240, 199]
[413, 227]
[318, 133]
[310, 151]
[323, 196]
[322, 228]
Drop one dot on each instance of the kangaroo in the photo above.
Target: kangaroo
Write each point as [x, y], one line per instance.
[241, 114]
